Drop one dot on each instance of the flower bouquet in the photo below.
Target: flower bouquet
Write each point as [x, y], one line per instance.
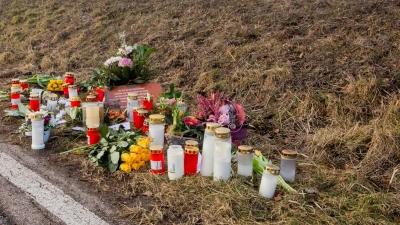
[214, 107]
[129, 66]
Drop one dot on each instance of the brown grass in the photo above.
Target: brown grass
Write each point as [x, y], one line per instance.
[319, 76]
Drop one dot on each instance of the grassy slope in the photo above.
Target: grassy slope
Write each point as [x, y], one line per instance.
[325, 73]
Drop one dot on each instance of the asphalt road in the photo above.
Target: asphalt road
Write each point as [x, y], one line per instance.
[33, 191]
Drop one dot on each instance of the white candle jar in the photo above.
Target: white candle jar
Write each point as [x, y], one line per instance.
[175, 161]
[157, 129]
[132, 102]
[207, 160]
[92, 112]
[269, 181]
[245, 160]
[288, 164]
[52, 102]
[222, 154]
[72, 91]
[37, 130]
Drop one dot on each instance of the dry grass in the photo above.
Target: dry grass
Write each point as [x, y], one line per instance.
[318, 76]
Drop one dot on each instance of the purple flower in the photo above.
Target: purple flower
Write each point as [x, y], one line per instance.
[125, 62]
[224, 109]
[223, 119]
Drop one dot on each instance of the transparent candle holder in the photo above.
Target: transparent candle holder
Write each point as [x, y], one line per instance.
[175, 162]
[288, 165]
[156, 129]
[245, 160]
[222, 154]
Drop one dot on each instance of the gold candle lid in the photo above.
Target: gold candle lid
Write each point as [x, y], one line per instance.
[133, 96]
[69, 74]
[271, 169]
[210, 127]
[36, 116]
[75, 99]
[245, 149]
[142, 112]
[53, 97]
[222, 133]
[23, 81]
[65, 85]
[191, 143]
[289, 154]
[191, 150]
[156, 149]
[16, 91]
[156, 118]
[16, 86]
[91, 98]
[136, 108]
[72, 86]
[15, 80]
[93, 127]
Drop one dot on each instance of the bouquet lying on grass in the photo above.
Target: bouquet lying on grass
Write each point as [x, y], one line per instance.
[259, 162]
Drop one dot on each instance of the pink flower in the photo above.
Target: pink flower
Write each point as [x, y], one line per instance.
[223, 119]
[171, 101]
[125, 62]
[224, 109]
[191, 121]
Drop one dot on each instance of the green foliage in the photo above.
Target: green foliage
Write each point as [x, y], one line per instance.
[22, 111]
[108, 151]
[41, 80]
[75, 113]
[171, 93]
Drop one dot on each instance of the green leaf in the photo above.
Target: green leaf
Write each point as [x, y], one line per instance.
[122, 144]
[112, 167]
[125, 72]
[115, 157]
[139, 80]
[103, 131]
[113, 148]
[104, 141]
[100, 154]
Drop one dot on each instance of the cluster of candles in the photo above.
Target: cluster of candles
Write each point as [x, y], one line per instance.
[17, 86]
[216, 159]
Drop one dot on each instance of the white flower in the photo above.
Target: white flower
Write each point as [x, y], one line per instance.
[125, 50]
[112, 60]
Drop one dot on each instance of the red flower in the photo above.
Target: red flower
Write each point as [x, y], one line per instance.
[191, 121]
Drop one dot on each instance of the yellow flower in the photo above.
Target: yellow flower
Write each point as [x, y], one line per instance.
[54, 85]
[125, 157]
[141, 163]
[60, 81]
[143, 142]
[257, 153]
[143, 156]
[135, 149]
[133, 157]
[125, 167]
[50, 88]
[145, 150]
[52, 81]
[135, 166]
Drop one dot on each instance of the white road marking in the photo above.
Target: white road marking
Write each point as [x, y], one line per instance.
[46, 194]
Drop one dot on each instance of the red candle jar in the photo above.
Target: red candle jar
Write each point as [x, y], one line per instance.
[100, 93]
[24, 84]
[15, 81]
[69, 78]
[75, 102]
[138, 117]
[93, 135]
[15, 98]
[34, 102]
[157, 159]
[65, 89]
[148, 104]
[145, 128]
[190, 160]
